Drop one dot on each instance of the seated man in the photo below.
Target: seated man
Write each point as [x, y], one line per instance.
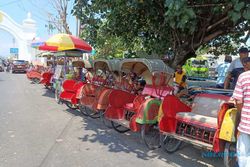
[139, 86]
[78, 74]
[235, 69]
[180, 79]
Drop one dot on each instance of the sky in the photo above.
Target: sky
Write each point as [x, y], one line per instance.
[39, 9]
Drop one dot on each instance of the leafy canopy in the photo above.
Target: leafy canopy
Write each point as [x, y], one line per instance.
[162, 26]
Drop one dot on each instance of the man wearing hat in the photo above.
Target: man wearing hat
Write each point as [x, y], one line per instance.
[241, 96]
[235, 69]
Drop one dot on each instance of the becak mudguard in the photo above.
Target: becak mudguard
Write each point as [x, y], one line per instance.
[89, 92]
[102, 100]
[148, 112]
[228, 126]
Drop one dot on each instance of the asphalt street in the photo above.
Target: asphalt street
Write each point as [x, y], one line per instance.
[35, 131]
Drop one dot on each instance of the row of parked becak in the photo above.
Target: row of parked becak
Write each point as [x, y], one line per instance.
[138, 95]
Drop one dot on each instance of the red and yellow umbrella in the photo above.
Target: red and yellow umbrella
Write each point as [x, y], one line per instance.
[62, 42]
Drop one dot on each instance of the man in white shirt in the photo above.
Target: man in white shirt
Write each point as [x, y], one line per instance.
[235, 69]
[221, 70]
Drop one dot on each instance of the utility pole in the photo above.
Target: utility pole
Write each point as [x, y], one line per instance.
[77, 27]
[78, 24]
[50, 26]
[14, 42]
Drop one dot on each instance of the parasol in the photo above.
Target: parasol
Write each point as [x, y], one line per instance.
[63, 42]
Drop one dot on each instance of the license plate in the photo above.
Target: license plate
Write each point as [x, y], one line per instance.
[19, 66]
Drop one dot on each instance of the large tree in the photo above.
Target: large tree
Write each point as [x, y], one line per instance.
[160, 26]
[59, 21]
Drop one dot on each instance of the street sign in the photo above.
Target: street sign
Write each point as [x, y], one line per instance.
[14, 50]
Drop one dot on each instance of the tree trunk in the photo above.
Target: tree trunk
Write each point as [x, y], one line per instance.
[181, 57]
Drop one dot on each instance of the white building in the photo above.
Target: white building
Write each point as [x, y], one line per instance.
[23, 34]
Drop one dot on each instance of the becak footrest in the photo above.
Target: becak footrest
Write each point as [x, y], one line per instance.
[129, 107]
[197, 120]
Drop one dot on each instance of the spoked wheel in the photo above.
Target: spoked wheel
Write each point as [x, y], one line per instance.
[70, 105]
[119, 128]
[105, 121]
[83, 109]
[151, 136]
[57, 96]
[36, 80]
[47, 86]
[53, 89]
[230, 154]
[169, 143]
[92, 114]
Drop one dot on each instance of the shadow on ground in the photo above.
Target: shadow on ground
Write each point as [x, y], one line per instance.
[130, 142]
[48, 93]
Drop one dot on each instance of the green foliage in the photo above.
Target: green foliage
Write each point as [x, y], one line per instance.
[160, 26]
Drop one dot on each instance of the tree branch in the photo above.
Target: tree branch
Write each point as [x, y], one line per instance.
[207, 5]
[176, 35]
[247, 37]
[217, 23]
[212, 36]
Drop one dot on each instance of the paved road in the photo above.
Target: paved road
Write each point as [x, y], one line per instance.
[37, 132]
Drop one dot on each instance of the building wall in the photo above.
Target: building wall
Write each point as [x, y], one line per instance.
[22, 33]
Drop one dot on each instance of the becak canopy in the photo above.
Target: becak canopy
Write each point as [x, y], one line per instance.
[62, 42]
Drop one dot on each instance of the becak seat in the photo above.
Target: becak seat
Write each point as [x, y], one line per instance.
[158, 89]
[68, 85]
[204, 111]
[46, 77]
[117, 100]
[136, 103]
[68, 90]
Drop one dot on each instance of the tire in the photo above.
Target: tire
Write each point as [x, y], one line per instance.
[169, 143]
[36, 80]
[151, 136]
[119, 128]
[83, 110]
[93, 114]
[57, 96]
[230, 154]
[52, 89]
[47, 87]
[105, 121]
[70, 105]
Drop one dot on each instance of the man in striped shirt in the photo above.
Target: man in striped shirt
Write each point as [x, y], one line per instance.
[242, 98]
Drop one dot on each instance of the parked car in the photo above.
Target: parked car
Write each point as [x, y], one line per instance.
[197, 68]
[19, 66]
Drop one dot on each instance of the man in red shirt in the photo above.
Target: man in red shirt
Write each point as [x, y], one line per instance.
[242, 98]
